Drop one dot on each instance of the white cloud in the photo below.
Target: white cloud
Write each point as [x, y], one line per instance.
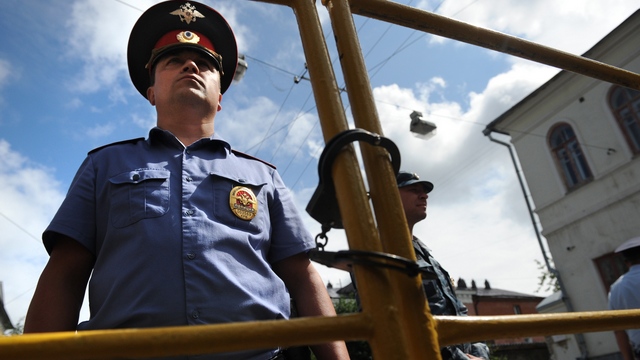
[477, 225]
[546, 22]
[506, 89]
[478, 222]
[145, 121]
[100, 131]
[100, 35]
[7, 72]
[74, 103]
[30, 196]
[5, 67]
[281, 133]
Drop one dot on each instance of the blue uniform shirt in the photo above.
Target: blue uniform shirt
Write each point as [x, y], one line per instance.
[440, 292]
[442, 299]
[169, 250]
[625, 294]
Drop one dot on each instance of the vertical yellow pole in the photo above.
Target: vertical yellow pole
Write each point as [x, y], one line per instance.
[418, 325]
[382, 299]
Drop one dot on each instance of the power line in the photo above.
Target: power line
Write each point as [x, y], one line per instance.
[375, 69]
[270, 65]
[299, 115]
[129, 5]
[19, 227]
[31, 236]
[275, 117]
[300, 147]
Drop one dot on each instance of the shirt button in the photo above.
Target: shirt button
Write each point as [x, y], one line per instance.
[189, 212]
[195, 314]
[189, 178]
[136, 177]
[191, 256]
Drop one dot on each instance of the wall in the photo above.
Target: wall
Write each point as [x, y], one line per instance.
[588, 222]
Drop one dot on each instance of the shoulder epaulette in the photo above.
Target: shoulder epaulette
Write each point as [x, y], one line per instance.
[240, 153]
[117, 143]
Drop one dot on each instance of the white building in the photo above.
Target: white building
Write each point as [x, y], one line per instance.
[578, 143]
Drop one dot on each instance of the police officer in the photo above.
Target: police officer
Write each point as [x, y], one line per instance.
[178, 228]
[440, 293]
[625, 294]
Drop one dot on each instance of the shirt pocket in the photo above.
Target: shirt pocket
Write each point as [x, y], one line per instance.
[138, 194]
[228, 210]
[431, 288]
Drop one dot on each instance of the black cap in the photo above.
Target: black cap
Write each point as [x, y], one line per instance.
[180, 24]
[405, 178]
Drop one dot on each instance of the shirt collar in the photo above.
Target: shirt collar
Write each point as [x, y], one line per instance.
[166, 137]
[420, 243]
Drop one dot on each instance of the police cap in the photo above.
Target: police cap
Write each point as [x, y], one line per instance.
[172, 25]
[405, 178]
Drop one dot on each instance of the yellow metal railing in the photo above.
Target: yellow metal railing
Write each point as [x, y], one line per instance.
[457, 30]
[189, 340]
[395, 317]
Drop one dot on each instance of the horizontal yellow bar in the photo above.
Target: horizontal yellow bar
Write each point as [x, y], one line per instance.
[184, 340]
[189, 340]
[456, 329]
[417, 19]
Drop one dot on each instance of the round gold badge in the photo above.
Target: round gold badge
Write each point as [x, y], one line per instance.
[243, 203]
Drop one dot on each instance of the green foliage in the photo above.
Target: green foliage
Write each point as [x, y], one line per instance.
[346, 306]
[493, 355]
[17, 330]
[547, 279]
[358, 350]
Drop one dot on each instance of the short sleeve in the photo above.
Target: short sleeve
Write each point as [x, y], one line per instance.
[76, 216]
[289, 235]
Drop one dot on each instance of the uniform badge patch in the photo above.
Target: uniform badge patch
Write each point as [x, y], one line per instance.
[243, 203]
[188, 37]
[187, 13]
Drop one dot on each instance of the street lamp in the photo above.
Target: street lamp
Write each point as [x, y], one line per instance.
[241, 69]
[421, 128]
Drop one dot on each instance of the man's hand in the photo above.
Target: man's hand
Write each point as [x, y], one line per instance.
[308, 291]
[473, 357]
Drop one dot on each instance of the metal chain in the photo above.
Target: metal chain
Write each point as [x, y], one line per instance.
[323, 235]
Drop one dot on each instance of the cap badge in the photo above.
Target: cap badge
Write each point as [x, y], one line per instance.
[243, 203]
[187, 13]
[188, 37]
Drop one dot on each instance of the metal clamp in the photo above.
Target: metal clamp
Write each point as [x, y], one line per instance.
[323, 206]
[345, 259]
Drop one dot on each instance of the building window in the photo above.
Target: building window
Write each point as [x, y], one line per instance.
[516, 309]
[625, 105]
[569, 156]
[610, 267]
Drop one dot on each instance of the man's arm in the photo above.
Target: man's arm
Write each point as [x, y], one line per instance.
[60, 291]
[623, 343]
[307, 290]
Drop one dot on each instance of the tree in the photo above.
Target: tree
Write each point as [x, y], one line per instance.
[16, 330]
[547, 279]
[358, 350]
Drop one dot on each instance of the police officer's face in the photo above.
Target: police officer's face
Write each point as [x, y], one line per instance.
[185, 76]
[414, 201]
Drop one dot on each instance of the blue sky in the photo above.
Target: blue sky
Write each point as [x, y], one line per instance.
[64, 90]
